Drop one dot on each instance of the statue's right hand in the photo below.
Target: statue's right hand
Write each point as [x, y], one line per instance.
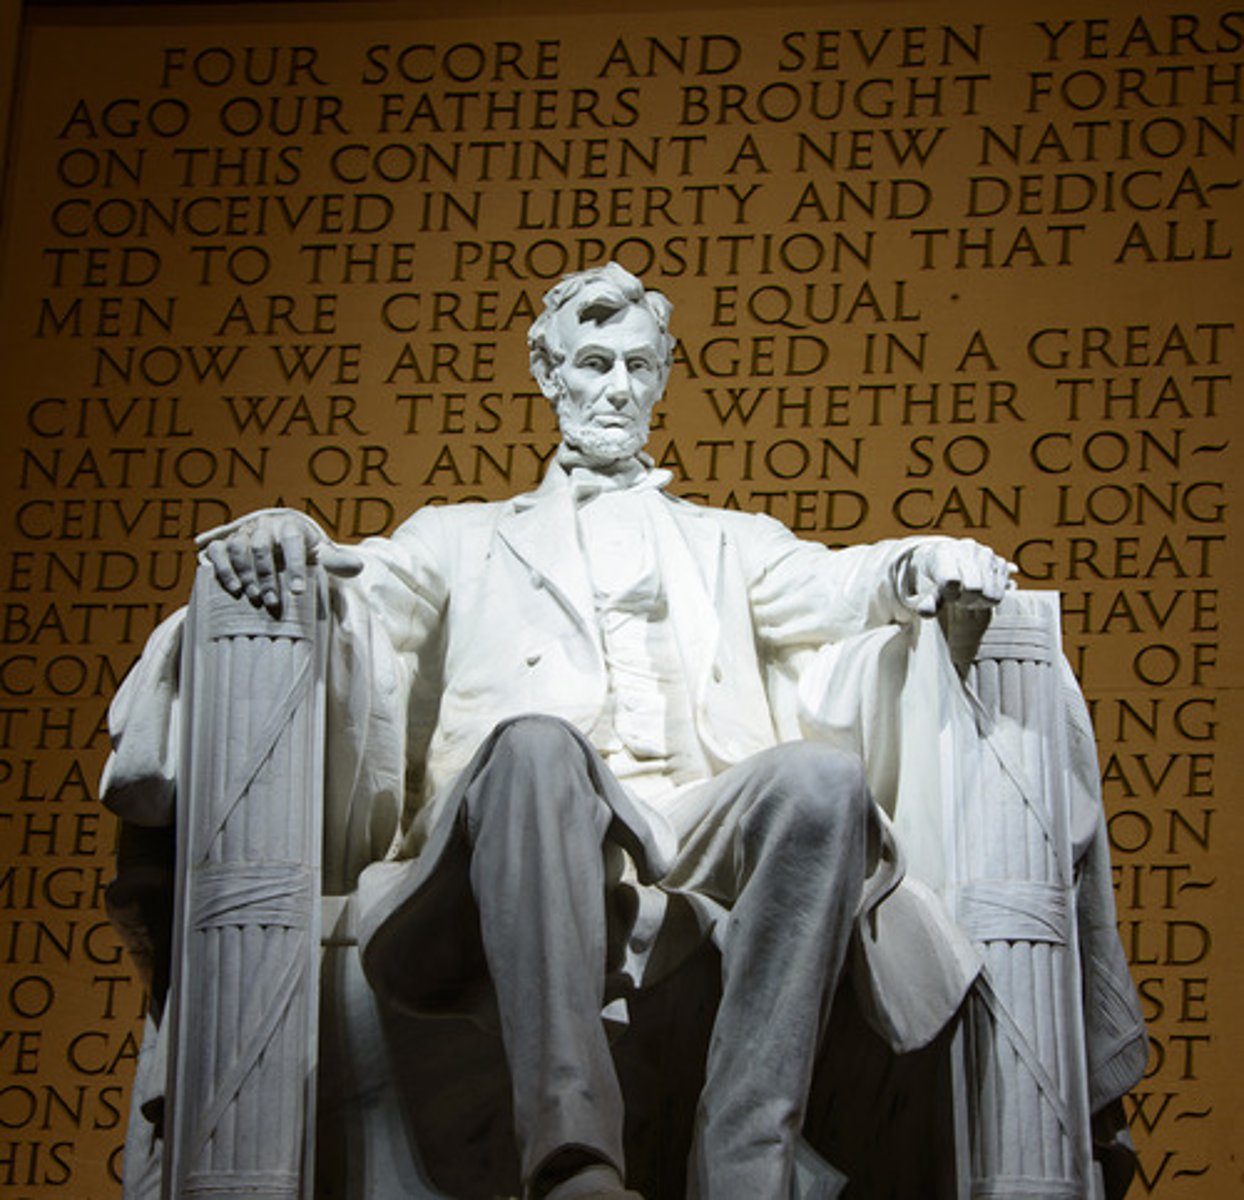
[253, 555]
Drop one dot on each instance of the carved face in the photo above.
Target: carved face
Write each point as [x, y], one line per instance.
[608, 383]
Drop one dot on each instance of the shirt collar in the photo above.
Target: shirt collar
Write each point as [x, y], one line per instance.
[587, 480]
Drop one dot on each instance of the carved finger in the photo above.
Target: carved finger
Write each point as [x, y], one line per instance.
[927, 604]
[226, 576]
[950, 560]
[997, 579]
[338, 560]
[973, 571]
[929, 579]
[238, 548]
[293, 544]
[264, 557]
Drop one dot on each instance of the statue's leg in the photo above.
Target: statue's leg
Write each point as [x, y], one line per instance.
[786, 846]
[536, 824]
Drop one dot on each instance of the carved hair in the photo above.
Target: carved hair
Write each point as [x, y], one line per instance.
[601, 292]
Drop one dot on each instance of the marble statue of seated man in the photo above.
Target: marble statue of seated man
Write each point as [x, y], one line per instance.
[587, 698]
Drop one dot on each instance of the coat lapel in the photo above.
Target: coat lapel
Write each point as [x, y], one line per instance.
[542, 532]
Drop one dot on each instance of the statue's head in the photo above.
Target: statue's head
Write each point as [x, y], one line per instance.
[601, 352]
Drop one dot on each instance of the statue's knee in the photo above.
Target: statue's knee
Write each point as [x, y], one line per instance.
[535, 740]
[817, 792]
[536, 768]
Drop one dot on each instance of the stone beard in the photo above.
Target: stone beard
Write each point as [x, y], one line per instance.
[599, 446]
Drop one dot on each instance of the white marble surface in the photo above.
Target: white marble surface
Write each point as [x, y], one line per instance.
[470, 615]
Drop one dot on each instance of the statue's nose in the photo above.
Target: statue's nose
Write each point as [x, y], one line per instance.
[618, 386]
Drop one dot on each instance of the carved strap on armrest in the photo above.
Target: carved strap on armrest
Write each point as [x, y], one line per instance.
[245, 999]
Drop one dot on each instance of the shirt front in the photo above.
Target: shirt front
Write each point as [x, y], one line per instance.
[646, 733]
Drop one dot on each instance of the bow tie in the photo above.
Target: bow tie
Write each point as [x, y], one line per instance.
[588, 479]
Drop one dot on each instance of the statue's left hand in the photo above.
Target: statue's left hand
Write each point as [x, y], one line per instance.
[957, 571]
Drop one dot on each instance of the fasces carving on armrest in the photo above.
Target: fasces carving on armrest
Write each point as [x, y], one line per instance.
[243, 1037]
[1011, 886]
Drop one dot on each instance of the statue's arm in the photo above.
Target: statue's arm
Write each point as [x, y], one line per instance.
[806, 594]
[386, 597]
[266, 555]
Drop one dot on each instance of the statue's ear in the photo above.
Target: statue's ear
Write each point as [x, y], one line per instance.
[545, 374]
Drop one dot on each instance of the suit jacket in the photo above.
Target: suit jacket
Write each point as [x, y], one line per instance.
[490, 612]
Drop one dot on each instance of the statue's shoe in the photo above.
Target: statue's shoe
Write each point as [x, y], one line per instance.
[594, 1183]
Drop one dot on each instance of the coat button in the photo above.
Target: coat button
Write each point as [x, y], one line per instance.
[532, 659]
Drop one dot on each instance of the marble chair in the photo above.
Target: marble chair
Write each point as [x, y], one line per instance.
[277, 1072]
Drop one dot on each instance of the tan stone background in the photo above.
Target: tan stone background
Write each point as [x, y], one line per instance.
[960, 268]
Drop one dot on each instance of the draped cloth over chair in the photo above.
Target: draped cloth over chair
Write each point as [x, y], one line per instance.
[1002, 835]
[985, 760]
